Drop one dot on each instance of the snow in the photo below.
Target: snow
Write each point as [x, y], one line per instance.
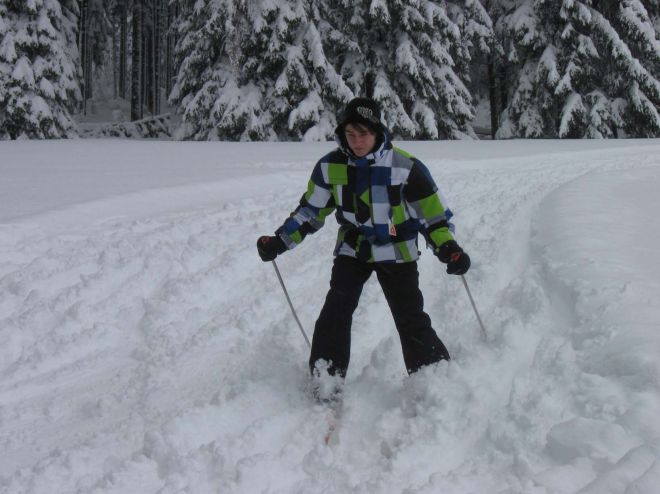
[523, 22]
[144, 347]
[572, 113]
[548, 63]
[378, 10]
[7, 46]
[23, 72]
[635, 16]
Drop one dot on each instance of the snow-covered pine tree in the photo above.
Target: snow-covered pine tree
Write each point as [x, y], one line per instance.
[584, 68]
[412, 56]
[300, 89]
[627, 41]
[525, 36]
[201, 36]
[255, 70]
[7, 57]
[313, 111]
[211, 95]
[39, 72]
[478, 52]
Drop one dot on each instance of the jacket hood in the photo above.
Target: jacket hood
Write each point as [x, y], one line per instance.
[383, 143]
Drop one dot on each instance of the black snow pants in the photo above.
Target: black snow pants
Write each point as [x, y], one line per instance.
[400, 283]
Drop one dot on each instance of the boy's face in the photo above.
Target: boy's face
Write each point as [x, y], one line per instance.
[361, 139]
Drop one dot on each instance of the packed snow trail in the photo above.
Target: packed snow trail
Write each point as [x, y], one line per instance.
[158, 354]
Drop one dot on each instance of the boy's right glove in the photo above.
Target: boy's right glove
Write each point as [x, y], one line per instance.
[457, 261]
[270, 247]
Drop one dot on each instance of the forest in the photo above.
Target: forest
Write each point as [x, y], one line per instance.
[281, 70]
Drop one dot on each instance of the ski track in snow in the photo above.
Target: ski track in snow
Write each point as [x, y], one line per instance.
[159, 355]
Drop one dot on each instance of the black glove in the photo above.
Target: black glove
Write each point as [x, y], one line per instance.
[270, 247]
[457, 261]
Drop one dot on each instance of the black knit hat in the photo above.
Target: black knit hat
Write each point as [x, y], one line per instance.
[364, 111]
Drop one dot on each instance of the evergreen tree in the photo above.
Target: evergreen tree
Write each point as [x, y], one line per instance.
[627, 38]
[254, 70]
[413, 57]
[525, 37]
[39, 73]
[206, 56]
[319, 97]
[585, 68]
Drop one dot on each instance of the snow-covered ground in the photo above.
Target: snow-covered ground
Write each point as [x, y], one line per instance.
[145, 348]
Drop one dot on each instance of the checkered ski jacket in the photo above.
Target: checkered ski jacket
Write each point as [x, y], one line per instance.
[382, 201]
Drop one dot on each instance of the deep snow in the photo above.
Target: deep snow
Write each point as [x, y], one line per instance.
[144, 347]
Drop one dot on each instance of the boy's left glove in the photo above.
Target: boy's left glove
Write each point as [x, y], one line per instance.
[270, 247]
[457, 261]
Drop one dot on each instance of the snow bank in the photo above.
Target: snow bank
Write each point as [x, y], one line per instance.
[597, 238]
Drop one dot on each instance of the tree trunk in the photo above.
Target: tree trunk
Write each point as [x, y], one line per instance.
[115, 60]
[144, 60]
[172, 12]
[137, 63]
[82, 46]
[123, 47]
[501, 78]
[156, 55]
[492, 95]
[369, 84]
[89, 59]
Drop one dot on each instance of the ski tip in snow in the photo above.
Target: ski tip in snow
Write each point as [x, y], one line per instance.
[331, 436]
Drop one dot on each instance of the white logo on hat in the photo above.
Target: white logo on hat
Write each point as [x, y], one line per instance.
[367, 113]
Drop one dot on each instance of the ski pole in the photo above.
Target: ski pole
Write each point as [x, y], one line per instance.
[467, 289]
[286, 294]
